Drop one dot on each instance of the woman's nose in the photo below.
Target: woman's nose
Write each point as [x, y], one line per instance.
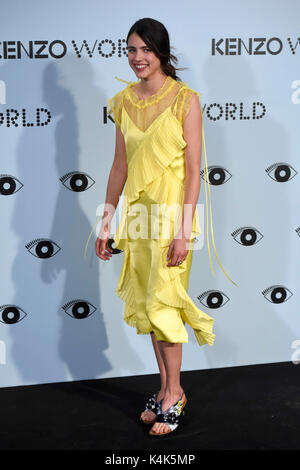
[139, 55]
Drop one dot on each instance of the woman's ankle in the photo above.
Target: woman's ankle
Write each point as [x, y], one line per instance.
[173, 391]
[161, 393]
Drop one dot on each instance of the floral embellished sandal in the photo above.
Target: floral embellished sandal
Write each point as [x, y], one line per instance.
[172, 416]
[152, 405]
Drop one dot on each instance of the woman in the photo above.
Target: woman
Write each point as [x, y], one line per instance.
[158, 155]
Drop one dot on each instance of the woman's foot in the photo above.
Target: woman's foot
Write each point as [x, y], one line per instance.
[149, 416]
[169, 400]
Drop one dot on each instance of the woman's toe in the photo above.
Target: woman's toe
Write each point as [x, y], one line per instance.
[155, 428]
[165, 428]
[147, 416]
[162, 428]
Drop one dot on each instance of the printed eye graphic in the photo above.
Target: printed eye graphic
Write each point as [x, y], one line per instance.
[216, 175]
[282, 172]
[79, 308]
[10, 314]
[77, 181]
[9, 185]
[277, 294]
[247, 236]
[214, 298]
[42, 248]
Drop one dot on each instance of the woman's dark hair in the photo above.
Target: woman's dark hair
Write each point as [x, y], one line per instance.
[156, 37]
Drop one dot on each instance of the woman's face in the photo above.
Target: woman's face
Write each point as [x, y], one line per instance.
[140, 55]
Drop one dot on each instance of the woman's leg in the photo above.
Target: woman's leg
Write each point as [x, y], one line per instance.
[149, 415]
[161, 367]
[171, 354]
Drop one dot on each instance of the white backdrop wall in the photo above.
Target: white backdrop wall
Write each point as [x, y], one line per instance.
[60, 317]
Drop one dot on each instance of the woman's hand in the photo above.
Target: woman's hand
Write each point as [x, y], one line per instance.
[177, 251]
[102, 249]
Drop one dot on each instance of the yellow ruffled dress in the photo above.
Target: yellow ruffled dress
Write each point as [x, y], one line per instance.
[155, 295]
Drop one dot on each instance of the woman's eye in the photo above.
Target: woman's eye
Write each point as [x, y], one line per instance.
[145, 50]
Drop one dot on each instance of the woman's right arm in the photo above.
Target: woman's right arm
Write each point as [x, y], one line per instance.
[116, 181]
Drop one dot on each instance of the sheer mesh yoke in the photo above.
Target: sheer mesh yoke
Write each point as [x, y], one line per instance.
[143, 112]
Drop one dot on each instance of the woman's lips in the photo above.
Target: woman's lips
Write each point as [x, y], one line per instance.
[140, 67]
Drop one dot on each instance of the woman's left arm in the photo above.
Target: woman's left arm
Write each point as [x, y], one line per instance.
[192, 133]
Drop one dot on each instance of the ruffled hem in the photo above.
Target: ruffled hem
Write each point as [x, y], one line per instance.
[201, 323]
[169, 281]
[130, 319]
